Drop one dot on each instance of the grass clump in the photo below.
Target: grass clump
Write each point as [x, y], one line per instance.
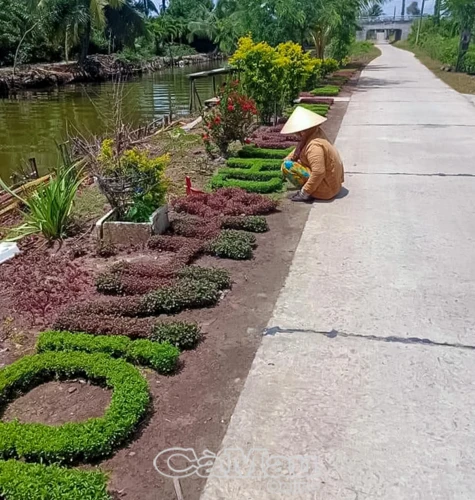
[161, 357]
[276, 184]
[220, 277]
[71, 442]
[179, 334]
[185, 294]
[253, 152]
[256, 175]
[252, 224]
[255, 164]
[249, 174]
[326, 90]
[230, 244]
[26, 481]
[48, 209]
[319, 109]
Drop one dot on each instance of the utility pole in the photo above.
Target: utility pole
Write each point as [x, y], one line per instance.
[465, 38]
[420, 22]
[403, 10]
[437, 8]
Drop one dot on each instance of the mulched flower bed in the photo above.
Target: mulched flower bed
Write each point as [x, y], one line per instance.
[90, 329]
[316, 100]
[269, 137]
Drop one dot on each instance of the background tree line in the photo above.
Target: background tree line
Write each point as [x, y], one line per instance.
[54, 30]
[447, 35]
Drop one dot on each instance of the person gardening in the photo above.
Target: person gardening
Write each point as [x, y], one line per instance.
[315, 167]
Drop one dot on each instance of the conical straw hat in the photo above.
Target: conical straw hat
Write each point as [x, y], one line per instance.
[302, 119]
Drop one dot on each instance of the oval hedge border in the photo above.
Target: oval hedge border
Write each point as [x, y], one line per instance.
[73, 441]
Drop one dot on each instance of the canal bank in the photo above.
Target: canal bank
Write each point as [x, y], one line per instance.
[33, 122]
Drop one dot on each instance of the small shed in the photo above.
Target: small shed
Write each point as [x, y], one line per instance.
[195, 98]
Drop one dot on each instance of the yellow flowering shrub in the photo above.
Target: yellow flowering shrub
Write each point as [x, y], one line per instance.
[273, 77]
[142, 178]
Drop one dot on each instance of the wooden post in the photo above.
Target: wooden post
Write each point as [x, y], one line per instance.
[192, 85]
[34, 167]
[198, 98]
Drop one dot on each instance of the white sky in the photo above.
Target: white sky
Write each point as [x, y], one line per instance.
[389, 7]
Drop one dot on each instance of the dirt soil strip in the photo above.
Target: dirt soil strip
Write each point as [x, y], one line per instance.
[192, 408]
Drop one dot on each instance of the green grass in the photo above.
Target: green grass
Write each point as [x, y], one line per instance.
[326, 90]
[253, 152]
[319, 109]
[255, 164]
[262, 187]
[256, 175]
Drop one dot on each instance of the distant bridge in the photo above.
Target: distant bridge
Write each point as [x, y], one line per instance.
[384, 26]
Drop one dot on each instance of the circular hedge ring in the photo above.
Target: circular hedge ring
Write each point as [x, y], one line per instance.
[73, 441]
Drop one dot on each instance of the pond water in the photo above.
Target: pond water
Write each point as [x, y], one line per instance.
[34, 122]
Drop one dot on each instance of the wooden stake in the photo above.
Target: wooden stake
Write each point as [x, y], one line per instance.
[34, 167]
[176, 484]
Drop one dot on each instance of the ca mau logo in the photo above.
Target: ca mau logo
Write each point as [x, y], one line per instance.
[184, 462]
[234, 463]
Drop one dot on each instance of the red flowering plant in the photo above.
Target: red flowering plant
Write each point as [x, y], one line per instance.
[232, 119]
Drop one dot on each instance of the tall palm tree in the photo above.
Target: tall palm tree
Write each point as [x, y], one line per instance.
[223, 31]
[374, 11]
[65, 21]
[83, 15]
[125, 24]
[95, 16]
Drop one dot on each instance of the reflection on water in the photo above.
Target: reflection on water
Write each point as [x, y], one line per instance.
[31, 124]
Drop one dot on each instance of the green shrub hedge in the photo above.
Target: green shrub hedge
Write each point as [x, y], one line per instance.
[220, 277]
[24, 481]
[319, 109]
[262, 187]
[326, 90]
[253, 152]
[161, 357]
[256, 164]
[232, 244]
[74, 441]
[185, 294]
[257, 175]
[180, 334]
[249, 174]
[252, 223]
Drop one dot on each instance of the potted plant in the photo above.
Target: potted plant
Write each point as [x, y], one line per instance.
[135, 186]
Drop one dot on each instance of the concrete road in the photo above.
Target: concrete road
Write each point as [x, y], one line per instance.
[369, 361]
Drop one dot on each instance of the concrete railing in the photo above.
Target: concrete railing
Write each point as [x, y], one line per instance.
[387, 19]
